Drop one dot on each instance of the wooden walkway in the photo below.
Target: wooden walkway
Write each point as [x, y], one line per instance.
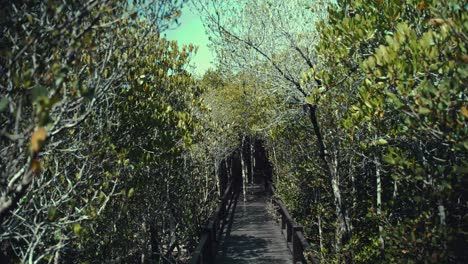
[253, 236]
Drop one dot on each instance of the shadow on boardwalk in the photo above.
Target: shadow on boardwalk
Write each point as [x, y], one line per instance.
[253, 236]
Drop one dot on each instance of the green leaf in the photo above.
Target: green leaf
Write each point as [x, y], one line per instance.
[309, 100]
[77, 229]
[3, 103]
[382, 142]
[424, 110]
[38, 92]
[101, 196]
[462, 170]
[131, 192]
[51, 214]
[368, 82]
[389, 160]
[368, 104]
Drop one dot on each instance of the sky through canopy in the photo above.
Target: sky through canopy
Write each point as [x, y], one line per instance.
[191, 30]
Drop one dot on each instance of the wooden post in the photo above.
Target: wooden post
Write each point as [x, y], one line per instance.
[212, 244]
[289, 232]
[296, 245]
[215, 231]
[222, 207]
[205, 251]
[209, 252]
[283, 221]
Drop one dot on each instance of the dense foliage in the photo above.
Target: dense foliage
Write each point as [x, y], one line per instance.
[369, 144]
[97, 115]
[400, 107]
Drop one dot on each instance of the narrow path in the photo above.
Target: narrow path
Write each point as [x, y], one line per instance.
[254, 236]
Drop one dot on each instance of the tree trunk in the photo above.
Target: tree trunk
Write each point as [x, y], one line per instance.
[207, 191]
[228, 168]
[275, 168]
[243, 169]
[379, 201]
[341, 229]
[218, 182]
[342, 233]
[252, 161]
[442, 214]
[319, 220]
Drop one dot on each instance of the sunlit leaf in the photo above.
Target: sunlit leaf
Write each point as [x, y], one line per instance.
[382, 141]
[389, 160]
[77, 229]
[424, 110]
[436, 21]
[464, 111]
[131, 192]
[37, 139]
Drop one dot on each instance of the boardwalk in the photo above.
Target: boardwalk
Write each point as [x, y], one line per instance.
[253, 237]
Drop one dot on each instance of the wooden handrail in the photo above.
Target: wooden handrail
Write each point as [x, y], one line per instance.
[301, 249]
[205, 252]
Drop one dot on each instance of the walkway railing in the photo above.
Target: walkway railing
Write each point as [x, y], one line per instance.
[301, 249]
[205, 253]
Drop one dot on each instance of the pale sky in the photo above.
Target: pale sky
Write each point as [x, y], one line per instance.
[191, 30]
